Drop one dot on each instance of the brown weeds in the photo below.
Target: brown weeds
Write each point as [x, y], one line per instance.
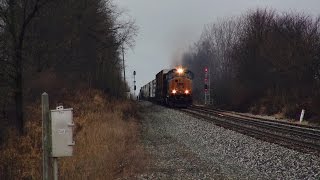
[106, 135]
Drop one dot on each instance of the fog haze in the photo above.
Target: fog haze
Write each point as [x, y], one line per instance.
[167, 27]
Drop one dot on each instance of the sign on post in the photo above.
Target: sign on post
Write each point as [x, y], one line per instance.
[57, 139]
[62, 132]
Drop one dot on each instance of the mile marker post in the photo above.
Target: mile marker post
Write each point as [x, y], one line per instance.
[302, 115]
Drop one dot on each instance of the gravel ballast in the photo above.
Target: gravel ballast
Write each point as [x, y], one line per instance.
[183, 147]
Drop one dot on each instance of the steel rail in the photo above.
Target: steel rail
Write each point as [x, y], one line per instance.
[258, 118]
[257, 133]
[312, 134]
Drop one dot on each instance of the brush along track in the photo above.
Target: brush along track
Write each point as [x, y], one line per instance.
[288, 135]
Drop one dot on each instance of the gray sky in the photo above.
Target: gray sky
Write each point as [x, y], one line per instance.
[166, 27]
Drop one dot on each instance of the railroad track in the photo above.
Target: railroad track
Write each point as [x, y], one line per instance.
[302, 138]
[257, 118]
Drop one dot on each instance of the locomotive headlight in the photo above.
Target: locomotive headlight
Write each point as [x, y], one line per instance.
[180, 70]
[186, 91]
[174, 91]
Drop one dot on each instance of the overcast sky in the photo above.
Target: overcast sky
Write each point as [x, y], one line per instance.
[166, 27]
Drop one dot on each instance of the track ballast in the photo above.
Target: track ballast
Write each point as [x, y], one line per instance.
[298, 137]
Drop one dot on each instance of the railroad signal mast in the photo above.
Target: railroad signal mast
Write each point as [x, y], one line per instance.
[206, 86]
[134, 83]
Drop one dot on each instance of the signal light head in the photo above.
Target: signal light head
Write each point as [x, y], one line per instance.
[205, 69]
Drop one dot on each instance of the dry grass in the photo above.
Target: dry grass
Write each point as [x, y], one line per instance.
[107, 142]
[20, 157]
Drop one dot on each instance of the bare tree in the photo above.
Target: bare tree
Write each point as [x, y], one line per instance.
[264, 61]
[15, 17]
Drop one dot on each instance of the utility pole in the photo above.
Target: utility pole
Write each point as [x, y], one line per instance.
[124, 68]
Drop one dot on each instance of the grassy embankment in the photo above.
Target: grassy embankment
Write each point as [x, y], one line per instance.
[107, 141]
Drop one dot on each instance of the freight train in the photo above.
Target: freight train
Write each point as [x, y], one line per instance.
[171, 87]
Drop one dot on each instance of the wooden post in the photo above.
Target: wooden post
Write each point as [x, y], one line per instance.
[46, 144]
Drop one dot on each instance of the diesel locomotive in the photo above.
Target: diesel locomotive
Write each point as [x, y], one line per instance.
[171, 87]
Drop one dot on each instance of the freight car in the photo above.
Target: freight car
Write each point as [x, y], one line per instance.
[147, 91]
[171, 87]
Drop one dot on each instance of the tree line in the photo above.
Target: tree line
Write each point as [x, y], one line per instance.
[56, 46]
[263, 62]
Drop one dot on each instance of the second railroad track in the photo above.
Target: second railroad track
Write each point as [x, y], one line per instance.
[302, 138]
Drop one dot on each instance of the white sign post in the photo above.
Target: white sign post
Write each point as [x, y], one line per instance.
[302, 115]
